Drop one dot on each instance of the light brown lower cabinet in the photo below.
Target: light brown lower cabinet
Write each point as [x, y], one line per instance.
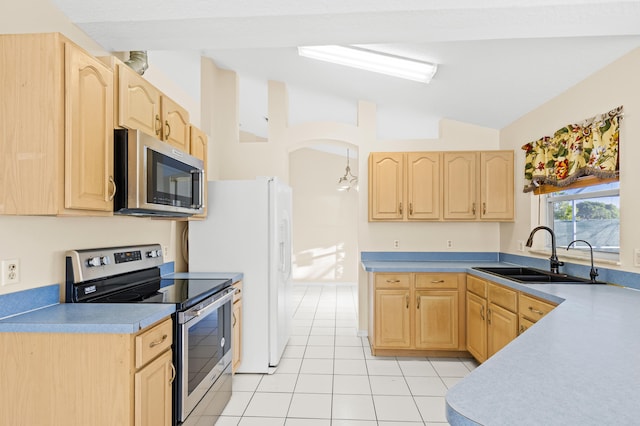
[492, 319]
[61, 379]
[496, 315]
[415, 313]
[236, 325]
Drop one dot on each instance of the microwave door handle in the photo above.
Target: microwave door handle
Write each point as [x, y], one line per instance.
[201, 187]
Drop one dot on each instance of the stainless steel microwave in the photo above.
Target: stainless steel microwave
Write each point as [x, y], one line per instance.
[155, 179]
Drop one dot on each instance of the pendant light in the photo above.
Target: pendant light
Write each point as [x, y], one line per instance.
[348, 181]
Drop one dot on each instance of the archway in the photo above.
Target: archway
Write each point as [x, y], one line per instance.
[325, 219]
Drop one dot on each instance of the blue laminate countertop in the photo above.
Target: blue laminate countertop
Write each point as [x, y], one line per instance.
[120, 318]
[576, 366]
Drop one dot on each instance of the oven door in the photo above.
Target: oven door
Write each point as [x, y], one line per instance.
[205, 352]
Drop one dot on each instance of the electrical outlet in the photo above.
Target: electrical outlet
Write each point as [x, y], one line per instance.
[636, 257]
[520, 245]
[10, 271]
[449, 244]
[165, 251]
[396, 244]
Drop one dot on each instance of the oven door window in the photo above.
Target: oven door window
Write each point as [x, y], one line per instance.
[171, 182]
[208, 343]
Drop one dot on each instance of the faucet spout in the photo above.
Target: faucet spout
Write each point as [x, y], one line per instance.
[594, 272]
[553, 260]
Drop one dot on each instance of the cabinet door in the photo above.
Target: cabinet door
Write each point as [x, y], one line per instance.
[88, 132]
[153, 391]
[386, 183]
[496, 185]
[139, 103]
[502, 328]
[199, 145]
[423, 185]
[476, 326]
[436, 319]
[460, 185]
[175, 124]
[392, 319]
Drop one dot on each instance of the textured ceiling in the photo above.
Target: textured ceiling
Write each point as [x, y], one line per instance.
[498, 59]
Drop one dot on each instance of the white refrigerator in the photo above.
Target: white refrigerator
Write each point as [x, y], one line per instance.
[248, 230]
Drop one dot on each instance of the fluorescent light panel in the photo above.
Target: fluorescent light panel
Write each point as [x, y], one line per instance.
[369, 60]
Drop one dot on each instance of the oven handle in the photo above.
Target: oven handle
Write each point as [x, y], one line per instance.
[192, 314]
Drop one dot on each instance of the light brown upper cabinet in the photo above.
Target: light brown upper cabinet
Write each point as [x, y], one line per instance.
[199, 144]
[404, 186]
[496, 185]
[56, 128]
[448, 186]
[142, 106]
[478, 186]
[460, 185]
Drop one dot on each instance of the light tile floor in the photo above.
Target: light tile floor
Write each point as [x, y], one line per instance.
[328, 377]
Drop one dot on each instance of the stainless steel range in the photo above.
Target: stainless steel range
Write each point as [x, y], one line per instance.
[202, 322]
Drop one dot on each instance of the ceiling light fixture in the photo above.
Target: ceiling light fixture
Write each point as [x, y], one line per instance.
[347, 181]
[370, 60]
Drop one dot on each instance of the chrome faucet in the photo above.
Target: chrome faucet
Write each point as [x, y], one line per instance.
[554, 262]
[594, 272]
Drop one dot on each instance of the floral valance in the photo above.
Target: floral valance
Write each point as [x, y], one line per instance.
[588, 148]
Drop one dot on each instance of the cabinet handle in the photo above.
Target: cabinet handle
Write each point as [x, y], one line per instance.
[473, 208]
[535, 311]
[393, 281]
[407, 297]
[522, 329]
[436, 281]
[484, 208]
[158, 124]
[411, 209]
[400, 208]
[482, 312]
[166, 124]
[173, 373]
[489, 316]
[115, 189]
[234, 320]
[158, 342]
[418, 302]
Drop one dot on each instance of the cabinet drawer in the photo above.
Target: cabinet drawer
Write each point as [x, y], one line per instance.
[436, 280]
[151, 343]
[477, 286]
[503, 296]
[392, 280]
[534, 309]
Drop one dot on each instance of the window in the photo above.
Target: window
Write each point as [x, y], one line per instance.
[590, 213]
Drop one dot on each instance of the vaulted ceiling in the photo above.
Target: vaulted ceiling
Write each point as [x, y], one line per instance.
[498, 59]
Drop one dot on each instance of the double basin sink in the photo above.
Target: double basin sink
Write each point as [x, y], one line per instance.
[534, 276]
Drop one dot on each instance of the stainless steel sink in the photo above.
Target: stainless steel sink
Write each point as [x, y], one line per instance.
[533, 275]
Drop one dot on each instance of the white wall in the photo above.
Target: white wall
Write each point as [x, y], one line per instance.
[616, 84]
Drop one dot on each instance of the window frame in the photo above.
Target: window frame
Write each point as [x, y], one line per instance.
[550, 199]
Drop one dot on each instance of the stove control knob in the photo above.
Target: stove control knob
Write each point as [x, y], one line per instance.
[93, 261]
[154, 253]
[105, 260]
